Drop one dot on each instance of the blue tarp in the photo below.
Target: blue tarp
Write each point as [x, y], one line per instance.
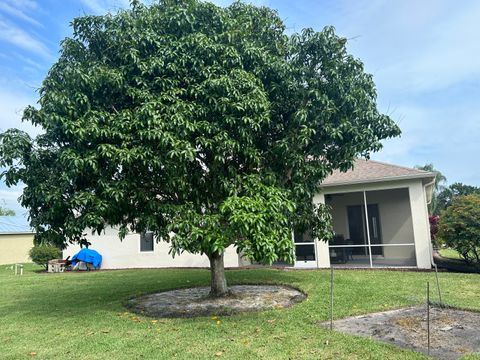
[88, 256]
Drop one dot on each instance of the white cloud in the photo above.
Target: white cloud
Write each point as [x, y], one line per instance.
[18, 37]
[104, 6]
[17, 12]
[224, 3]
[24, 5]
[12, 105]
[415, 46]
[424, 57]
[9, 200]
[446, 136]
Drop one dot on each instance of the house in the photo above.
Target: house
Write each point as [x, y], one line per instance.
[16, 240]
[380, 219]
[142, 251]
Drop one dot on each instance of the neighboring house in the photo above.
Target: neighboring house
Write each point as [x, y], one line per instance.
[393, 199]
[16, 240]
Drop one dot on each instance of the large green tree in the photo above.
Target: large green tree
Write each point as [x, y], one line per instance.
[448, 194]
[209, 126]
[459, 227]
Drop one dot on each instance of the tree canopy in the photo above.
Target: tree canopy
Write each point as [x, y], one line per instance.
[446, 197]
[459, 227]
[6, 212]
[209, 126]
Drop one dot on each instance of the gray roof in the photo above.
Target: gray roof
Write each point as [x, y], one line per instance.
[367, 171]
[14, 225]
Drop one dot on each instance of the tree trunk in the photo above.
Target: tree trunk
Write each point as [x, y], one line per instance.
[218, 284]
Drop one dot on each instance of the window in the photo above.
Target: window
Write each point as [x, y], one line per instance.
[304, 247]
[146, 241]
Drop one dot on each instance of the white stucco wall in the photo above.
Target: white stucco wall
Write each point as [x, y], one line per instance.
[396, 221]
[395, 215]
[420, 225]
[322, 254]
[125, 254]
[404, 197]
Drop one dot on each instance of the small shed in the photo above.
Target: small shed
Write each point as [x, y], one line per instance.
[16, 239]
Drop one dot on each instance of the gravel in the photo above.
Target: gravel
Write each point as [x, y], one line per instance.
[194, 302]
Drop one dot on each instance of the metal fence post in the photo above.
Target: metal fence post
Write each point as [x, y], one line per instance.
[428, 318]
[438, 286]
[331, 297]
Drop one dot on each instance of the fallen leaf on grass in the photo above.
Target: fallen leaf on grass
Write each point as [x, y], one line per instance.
[154, 321]
[218, 322]
[32, 353]
[271, 321]
[219, 353]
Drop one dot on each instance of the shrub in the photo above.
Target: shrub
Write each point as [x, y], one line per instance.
[42, 254]
[459, 227]
[433, 220]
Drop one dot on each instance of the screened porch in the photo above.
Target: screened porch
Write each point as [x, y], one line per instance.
[372, 229]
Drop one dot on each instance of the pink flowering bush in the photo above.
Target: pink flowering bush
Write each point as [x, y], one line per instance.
[434, 220]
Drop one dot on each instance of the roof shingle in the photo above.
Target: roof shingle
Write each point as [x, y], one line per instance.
[365, 171]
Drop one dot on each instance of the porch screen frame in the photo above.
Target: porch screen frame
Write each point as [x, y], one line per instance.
[369, 245]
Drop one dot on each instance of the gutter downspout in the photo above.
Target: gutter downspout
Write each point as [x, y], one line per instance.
[430, 248]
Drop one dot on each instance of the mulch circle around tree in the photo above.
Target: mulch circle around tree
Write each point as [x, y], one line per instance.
[193, 302]
[453, 332]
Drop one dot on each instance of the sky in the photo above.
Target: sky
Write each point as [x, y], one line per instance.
[423, 56]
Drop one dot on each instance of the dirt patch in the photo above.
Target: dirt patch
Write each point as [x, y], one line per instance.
[453, 332]
[196, 302]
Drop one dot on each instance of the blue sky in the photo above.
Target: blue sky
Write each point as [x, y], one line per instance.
[423, 55]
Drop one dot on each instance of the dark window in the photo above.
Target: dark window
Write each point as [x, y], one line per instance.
[305, 252]
[146, 241]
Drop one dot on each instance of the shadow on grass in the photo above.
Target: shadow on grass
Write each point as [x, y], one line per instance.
[454, 265]
[67, 294]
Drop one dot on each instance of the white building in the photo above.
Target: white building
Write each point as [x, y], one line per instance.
[16, 240]
[380, 218]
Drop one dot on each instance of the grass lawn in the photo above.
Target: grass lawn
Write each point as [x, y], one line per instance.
[80, 315]
[450, 254]
[451, 259]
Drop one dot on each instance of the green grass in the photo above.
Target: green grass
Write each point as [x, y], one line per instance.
[80, 315]
[450, 254]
